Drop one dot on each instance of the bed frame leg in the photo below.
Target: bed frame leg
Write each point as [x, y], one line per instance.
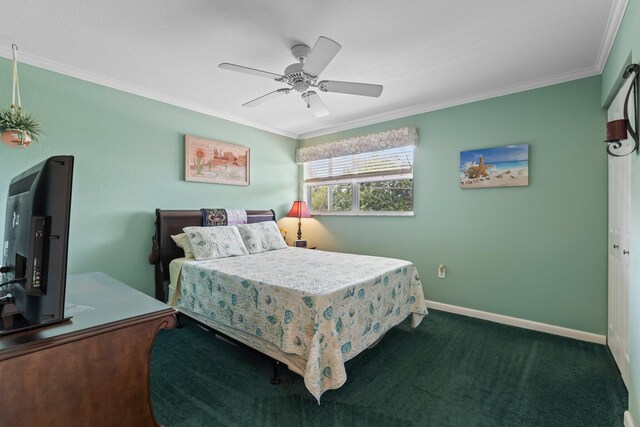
[276, 378]
[179, 321]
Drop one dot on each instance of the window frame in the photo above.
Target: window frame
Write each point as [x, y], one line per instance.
[354, 161]
[355, 195]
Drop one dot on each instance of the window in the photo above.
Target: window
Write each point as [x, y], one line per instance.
[368, 183]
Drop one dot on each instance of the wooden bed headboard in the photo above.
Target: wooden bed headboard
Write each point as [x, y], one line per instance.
[164, 249]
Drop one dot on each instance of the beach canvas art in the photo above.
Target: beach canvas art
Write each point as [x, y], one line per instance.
[506, 166]
[215, 162]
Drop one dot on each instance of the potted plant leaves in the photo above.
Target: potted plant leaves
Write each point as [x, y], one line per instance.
[18, 128]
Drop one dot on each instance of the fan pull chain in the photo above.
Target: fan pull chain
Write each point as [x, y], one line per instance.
[16, 83]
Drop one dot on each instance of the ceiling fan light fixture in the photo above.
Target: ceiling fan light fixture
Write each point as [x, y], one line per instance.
[304, 75]
[300, 86]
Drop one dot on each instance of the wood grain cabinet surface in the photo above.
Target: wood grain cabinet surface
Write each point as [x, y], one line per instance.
[92, 370]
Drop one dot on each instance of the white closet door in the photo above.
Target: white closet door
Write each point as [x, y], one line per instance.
[619, 239]
[618, 317]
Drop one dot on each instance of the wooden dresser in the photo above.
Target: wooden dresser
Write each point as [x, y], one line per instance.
[92, 370]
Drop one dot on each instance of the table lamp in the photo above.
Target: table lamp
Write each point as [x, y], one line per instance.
[299, 210]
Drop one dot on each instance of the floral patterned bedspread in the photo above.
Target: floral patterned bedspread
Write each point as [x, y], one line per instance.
[326, 307]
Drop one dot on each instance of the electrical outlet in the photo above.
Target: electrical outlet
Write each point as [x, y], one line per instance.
[441, 271]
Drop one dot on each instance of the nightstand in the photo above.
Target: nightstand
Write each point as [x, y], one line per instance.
[306, 247]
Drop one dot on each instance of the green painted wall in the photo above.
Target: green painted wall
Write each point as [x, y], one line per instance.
[536, 252]
[626, 49]
[129, 155]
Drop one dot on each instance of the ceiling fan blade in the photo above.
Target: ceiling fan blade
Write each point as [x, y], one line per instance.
[252, 71]
[322, 53]
[364, 89]
[315, 104]
[267, 97]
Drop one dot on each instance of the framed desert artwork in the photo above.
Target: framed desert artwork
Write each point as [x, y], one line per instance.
[215, 162]
[506, 166]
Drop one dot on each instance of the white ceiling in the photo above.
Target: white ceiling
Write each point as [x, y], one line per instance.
[428, 54]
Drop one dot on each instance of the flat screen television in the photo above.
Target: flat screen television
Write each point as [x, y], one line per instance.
[35, 245]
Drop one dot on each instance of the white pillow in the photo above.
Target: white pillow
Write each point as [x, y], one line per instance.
[215, 242]
[183, 243]
[261, 236]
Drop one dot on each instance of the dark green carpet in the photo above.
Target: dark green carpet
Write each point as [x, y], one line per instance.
[451, 371]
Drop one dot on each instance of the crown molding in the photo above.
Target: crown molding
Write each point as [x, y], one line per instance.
[427, 107]
[101, 80]
[613, 25]
[378, 118]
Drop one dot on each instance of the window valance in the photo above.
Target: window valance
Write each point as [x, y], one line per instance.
[402, 137]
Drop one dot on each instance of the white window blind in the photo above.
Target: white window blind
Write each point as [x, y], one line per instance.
[364, 175]
[397, 162]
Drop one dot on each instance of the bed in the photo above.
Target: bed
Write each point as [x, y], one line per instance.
[311, 310]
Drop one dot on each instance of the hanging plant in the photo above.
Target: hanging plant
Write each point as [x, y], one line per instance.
[18, 128]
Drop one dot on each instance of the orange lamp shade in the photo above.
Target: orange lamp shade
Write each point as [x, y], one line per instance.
[299, 210]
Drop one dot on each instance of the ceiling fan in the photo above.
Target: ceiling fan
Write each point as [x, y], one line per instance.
[303, 75]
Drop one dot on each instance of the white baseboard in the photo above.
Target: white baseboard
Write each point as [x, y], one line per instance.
[628, 419]
[521, 323]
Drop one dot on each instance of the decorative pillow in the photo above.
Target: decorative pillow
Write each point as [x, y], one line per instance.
[261, 236]
[215, 242]
[183, 243]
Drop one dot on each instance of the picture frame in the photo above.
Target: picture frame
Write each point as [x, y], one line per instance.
[216, 162]
[503, 166]
[300, 243]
